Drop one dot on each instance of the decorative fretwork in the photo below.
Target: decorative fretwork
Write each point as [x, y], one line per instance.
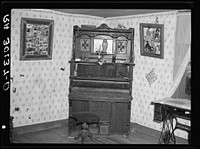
[103, 26]
[121, 47]
[85, 45]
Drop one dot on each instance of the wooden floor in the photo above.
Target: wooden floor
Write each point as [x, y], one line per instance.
[60, 135]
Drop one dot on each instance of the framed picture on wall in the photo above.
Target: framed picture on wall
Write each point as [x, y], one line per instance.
[152, 40]
[36, 39]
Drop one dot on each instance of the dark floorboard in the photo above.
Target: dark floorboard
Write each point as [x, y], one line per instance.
[60, 135]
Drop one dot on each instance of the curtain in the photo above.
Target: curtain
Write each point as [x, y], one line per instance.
[182, 49]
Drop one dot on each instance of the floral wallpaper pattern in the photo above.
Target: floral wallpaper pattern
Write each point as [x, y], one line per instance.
[39, 90]
[142, 111]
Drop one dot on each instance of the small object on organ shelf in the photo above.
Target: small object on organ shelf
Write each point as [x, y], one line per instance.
[82, 57]
[104, 45]
[100, 62]
[100, 57]
[75, 73]
[77, 59]
[113, 58]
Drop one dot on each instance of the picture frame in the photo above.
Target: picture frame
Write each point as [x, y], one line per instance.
[152, 40]
[36, 39]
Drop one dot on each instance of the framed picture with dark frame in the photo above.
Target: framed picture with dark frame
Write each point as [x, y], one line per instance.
[36, 39]
[152, 40]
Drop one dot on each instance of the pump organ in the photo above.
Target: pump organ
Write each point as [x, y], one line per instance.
[101, 74]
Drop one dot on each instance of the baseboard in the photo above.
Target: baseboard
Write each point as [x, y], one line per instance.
[146, 130]
[40, 127]
[154, 133]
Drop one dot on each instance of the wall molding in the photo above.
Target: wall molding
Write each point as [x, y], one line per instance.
[142, 15]
[153, 133]
[40, 127]
[50, 11]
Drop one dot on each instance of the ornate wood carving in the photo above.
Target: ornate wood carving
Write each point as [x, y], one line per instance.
[103, 87]
[104, 26]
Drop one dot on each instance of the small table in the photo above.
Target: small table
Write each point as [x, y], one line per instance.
[167, 111]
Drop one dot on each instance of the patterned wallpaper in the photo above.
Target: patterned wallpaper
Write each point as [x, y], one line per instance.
[39, 90]
[143, 93]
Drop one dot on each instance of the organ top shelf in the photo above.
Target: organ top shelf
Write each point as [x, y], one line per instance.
[95, 63]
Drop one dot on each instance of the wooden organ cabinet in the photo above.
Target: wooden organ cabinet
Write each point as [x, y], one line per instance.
[101, 73]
